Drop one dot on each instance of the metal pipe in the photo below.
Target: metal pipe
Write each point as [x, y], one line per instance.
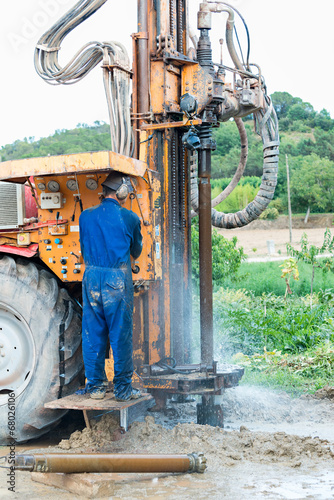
[142, 59]
[204, 57]
[205, 256]
[96, 462]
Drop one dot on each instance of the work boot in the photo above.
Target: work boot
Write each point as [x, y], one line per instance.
[134, 394]
[98, 393]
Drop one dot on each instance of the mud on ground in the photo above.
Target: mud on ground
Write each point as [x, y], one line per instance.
[272, 446]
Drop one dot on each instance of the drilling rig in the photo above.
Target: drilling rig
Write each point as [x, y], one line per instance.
[163, 139]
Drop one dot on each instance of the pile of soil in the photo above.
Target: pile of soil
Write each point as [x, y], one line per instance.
[222, 448]
[326, 392]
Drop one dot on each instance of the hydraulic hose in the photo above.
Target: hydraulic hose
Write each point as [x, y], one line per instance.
[267, 128]
[236, 178]
[267, 124]
[241, 167]
[116, 69]
[229, 39]
[236, 61]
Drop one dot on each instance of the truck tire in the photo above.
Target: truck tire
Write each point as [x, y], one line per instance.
[40, 349]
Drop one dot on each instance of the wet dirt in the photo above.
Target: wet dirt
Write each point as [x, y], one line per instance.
[272, 447]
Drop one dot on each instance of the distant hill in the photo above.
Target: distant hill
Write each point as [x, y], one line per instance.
[307, 137]
[82, 138]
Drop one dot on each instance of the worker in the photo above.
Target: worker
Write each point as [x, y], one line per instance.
[109, 234]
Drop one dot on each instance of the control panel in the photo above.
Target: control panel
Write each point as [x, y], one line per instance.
[51, 200]
[62, 198]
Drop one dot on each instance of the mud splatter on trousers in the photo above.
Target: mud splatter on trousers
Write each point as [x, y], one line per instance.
[107, 313]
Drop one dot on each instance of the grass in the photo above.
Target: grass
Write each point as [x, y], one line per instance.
[265, 277]
[296, 374]
[292, 383]
[282, 343]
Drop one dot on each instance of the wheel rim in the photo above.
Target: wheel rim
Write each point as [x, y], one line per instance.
[17, 353]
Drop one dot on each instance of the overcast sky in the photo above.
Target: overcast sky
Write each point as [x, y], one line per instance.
[292, 41]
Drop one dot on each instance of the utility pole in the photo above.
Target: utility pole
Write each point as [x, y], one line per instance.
[289, 199]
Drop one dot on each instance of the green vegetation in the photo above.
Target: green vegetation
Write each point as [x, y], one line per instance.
[265, 277]
[295, 373]
[280, 325]
[81, 139]
[282, 343]
[271, 322]
[226, 257]
[307, 137]
[309, 254]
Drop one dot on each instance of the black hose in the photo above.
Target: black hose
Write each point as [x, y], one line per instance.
[267, 128]
[267, 124]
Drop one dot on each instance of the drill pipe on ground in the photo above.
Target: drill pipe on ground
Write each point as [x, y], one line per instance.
[99, 462]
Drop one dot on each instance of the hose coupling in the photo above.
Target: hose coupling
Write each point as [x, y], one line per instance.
[197, 462]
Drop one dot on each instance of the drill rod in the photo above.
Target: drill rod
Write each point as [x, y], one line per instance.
[99, 462]
[205, 257]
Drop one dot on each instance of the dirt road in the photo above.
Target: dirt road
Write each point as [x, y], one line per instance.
[254, 242]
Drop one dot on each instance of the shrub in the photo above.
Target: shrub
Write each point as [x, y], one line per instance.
[278, 204]
[226, 257]
[269, 214]
[295, 373]
[248, 324]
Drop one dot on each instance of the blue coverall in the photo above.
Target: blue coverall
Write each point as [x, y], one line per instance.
[108, 235]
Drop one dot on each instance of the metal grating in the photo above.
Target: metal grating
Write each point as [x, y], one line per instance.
[12, 205]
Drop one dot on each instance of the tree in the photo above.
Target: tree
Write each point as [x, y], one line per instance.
[289, 270]
[282, 102]
[323, 120]
[312, 185]
[300, 111]
[227, 137]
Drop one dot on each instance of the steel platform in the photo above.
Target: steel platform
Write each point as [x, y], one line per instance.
[196, 383]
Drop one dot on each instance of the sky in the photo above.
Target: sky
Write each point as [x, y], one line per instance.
[291, 40]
